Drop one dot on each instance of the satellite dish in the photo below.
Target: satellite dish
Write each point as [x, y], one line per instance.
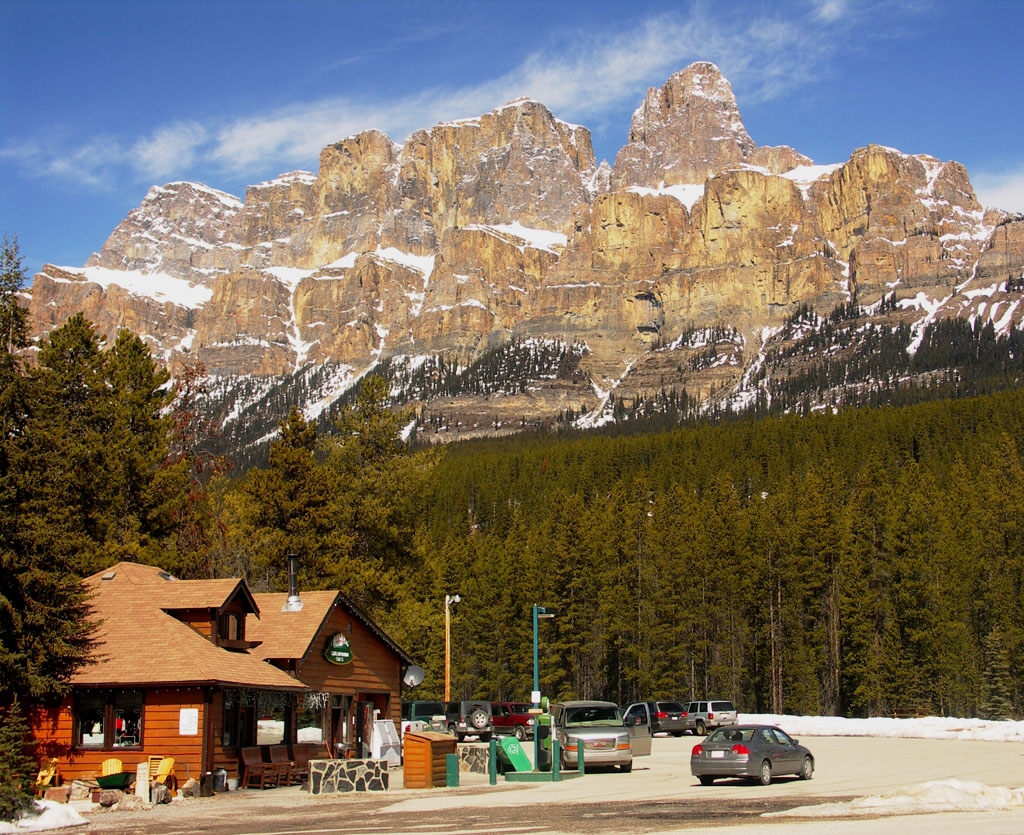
[413, 676]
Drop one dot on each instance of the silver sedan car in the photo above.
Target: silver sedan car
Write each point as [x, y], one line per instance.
[757, 752]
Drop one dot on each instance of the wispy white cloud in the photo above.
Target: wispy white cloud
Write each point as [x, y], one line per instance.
[88, 164]
[1000, 190]
[830, 10]
[581, 76]
[578, 81]
[169, 149]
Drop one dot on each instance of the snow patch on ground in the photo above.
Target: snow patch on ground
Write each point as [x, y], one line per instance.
[687, 193]
[533, 238]
[51, 816]
[806, 175]
[927, 727]
[924, 798]
[157, 286]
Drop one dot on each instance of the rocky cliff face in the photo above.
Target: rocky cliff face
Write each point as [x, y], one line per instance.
[477, 233]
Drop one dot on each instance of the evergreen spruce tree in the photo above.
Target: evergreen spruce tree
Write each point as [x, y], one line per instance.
[44, 633]
[289, 511]
[182, 486]
[138, 440]
[66, 456]
[997, 703]
[375, 478]
[17, 765]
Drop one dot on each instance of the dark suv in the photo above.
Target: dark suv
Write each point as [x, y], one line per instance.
[425, 712]
[662, 716]
[421, 711]
[512, 718]
[470, 717]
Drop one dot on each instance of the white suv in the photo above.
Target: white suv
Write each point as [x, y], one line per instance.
[710, 714]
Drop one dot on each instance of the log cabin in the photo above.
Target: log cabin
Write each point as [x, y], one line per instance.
[199, 669]
[352, 668]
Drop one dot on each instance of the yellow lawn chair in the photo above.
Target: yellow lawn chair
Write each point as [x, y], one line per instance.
[111, 766]
[165, 774]
[113, 775]
[47, 776]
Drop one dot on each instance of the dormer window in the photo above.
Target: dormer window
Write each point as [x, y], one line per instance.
[230, 628]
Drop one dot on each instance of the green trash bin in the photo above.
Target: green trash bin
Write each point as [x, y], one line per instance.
[543, 731]
[512, 755]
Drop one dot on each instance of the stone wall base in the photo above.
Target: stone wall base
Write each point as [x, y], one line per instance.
[337, 776]
[474, 758]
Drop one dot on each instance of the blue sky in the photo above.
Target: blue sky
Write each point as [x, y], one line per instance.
[100, 99]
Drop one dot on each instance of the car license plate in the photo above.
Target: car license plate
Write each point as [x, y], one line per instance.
[717, 755]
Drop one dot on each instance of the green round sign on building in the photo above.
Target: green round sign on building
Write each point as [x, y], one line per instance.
[338, 650]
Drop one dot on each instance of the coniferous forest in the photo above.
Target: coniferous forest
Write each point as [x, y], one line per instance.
[860, 562]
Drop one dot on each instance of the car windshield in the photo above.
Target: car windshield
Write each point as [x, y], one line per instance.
[671, 707]
[731, 735]
[723, 706]
[592, 715]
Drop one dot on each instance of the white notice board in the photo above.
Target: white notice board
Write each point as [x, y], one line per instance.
[188, 721]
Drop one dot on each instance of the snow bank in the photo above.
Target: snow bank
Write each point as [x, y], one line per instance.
[925, 798]
[51, 816]
[928, 727]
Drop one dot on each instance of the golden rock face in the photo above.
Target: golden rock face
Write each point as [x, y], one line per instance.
[475, 232]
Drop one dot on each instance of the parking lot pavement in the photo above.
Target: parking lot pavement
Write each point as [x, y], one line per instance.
[659, 796]
[846, 768]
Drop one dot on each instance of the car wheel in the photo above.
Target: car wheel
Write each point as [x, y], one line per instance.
[478, 719]
[627, 767]
[520, 733]
[706, 779]
[807, 769]
[677, 734]
[452, 731]
[701, 729]
[765, 774]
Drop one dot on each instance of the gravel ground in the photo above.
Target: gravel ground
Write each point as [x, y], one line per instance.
[659, 796]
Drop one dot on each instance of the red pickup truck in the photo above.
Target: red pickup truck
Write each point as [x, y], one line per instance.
[512, 718]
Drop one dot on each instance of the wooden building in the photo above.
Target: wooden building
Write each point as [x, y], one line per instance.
[198, 669]
[352, 668]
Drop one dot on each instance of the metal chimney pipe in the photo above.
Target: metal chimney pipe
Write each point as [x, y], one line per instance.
[293, 603]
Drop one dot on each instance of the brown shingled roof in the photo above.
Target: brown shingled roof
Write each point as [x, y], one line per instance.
[290, 634]
[139, 643]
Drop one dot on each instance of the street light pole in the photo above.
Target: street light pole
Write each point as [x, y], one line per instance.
[538, 613]
[449, 599]
[536, 658]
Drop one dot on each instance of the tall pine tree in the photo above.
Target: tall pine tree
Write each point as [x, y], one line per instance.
[44, 630]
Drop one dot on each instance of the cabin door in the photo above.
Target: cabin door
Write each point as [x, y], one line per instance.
[246, 726]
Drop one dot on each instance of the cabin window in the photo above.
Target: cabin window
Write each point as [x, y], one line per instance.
[273, 717]
[229, 627]
[312, 717]
[109, 718]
